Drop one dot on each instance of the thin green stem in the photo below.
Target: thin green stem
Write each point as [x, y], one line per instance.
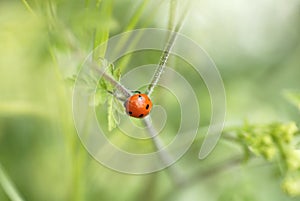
[123, 90]
[166, 158]
[162, 64]
[130, 26]
[102, 35]
[28, 7]
[199, 176]
[202, 175]
[137, 15]
[8, 186]
[153, 13]
[172, 14]
[165, 55]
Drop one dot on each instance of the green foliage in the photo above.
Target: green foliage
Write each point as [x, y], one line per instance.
[291, 184]
[112, 108]
[44, 43]
[276, 143]
[101, 90]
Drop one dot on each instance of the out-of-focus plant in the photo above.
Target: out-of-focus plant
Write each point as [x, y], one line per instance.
[72, 31]
[276, 143]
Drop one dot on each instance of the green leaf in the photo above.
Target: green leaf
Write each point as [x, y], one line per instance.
[99, 98]
[117, 74]
[110, 114]
[70, 81]
[113, 104]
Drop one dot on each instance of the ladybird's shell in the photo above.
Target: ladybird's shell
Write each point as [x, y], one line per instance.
[138, 105]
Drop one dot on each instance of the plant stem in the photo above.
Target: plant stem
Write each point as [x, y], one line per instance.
[165, 55]
[8, 186]
[129, 27]
[200, 176]
[125, 92]
[137, 15]
[28, 7]
[102, 35]
[165, 156]
[172, 14]
[162, 64]
[215, 170]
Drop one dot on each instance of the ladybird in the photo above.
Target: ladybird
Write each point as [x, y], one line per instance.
[138, 105]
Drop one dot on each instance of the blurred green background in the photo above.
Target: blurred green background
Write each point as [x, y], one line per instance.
[255, 45]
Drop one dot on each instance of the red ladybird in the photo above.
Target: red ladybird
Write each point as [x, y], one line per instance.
[138, 105]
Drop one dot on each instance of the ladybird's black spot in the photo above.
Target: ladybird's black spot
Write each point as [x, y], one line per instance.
[141, 115]
[147, 106]
[130, 112]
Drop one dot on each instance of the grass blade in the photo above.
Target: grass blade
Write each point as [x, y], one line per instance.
[27, 6]
[9, 187]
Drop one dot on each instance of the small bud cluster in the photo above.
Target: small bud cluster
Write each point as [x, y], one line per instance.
[276, 141]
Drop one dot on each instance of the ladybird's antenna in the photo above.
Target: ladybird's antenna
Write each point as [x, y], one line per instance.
[165, 55]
